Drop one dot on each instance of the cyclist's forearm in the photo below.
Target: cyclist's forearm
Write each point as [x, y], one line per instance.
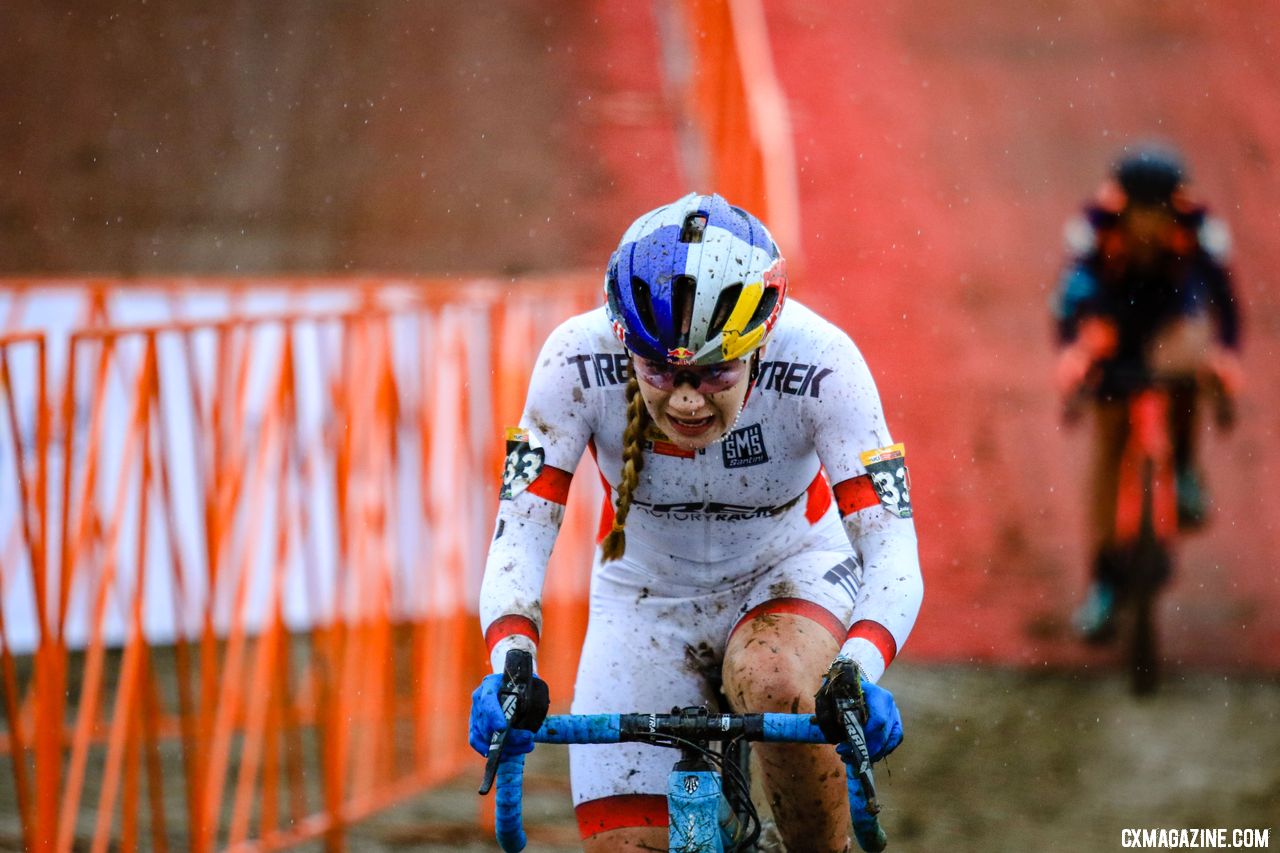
[891, 592]
[511, 593]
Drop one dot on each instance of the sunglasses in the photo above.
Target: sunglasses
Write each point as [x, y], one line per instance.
[709, 379]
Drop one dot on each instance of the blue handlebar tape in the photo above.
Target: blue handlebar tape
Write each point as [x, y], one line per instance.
[580, 728]
[866, 826]
[605, 728]
[510, 832]
[792, 728]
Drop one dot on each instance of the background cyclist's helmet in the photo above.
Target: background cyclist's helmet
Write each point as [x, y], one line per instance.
[1150, 174]
[697, 281]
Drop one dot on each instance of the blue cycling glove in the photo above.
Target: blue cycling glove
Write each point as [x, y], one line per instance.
[487, 717]
[884, 722]
[881, 721]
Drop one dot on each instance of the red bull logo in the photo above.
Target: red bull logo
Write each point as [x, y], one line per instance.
[680, 355]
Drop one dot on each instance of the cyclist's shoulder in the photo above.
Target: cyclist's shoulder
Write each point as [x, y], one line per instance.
[589, 327]
[1213, 236]
[581, 354]
[581, 336]
[803, 335]
[800, 329]
[1080, 235]
[1094, 222]
[1096, 228]
[807, 357]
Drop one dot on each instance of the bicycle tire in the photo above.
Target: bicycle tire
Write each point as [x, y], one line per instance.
[1144, 670]
[1149, 565]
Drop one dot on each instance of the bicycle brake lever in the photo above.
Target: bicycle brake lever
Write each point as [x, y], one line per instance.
[491, 761]
[858, 755]
[515, 681]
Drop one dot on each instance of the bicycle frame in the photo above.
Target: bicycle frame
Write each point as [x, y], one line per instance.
[698, 812]
[1146, 504]
[699, 816]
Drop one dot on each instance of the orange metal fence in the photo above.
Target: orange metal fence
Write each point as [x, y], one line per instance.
[250, 550]
[247, 550]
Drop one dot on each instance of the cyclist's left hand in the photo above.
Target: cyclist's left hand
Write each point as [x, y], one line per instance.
[883, 722]
[1226, 370]
[1227, 381]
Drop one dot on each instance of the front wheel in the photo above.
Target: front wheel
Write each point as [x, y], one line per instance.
[1144, 673]
[1151, 568]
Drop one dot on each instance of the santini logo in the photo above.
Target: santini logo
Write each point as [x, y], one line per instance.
[744, 447]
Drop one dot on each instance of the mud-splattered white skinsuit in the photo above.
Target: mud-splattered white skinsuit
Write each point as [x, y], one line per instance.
[746, 526]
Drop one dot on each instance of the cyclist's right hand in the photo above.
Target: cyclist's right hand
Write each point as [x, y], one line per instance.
[1096, 339]
[1071, 370]
[487, 717]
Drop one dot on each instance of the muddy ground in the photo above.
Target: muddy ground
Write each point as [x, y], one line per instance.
[993, 760]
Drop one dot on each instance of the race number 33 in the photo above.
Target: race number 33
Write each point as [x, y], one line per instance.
[887, 467]
[523, 465]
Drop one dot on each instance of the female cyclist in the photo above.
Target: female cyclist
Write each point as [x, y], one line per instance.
[712, 405]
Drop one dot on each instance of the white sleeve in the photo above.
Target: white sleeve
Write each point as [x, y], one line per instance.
[848, 422]
[892, 588]
[554, 430]
[511, 592]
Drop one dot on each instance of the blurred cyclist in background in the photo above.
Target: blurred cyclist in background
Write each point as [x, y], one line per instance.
[712, 405]
[1147, 289]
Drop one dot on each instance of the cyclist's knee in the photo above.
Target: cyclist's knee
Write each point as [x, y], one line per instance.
[775, 664]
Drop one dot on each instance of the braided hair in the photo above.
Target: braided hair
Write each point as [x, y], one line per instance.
[615, 543]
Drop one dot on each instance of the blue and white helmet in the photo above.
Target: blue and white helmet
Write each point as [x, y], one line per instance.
[697, 281]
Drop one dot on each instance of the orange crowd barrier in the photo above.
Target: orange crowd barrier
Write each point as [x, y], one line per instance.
[734, 99]
[240, 561]
[239, 557]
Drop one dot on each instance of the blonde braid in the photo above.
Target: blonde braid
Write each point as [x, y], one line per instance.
[615, 544]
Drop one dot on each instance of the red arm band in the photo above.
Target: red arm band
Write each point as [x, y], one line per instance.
[510, 625]
[878, 636]
[855, 494]
[552, 484]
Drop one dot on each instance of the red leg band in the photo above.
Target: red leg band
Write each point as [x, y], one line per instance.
[620, 812]
[796, 607]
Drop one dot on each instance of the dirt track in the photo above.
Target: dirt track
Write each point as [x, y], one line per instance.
[993, 761]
